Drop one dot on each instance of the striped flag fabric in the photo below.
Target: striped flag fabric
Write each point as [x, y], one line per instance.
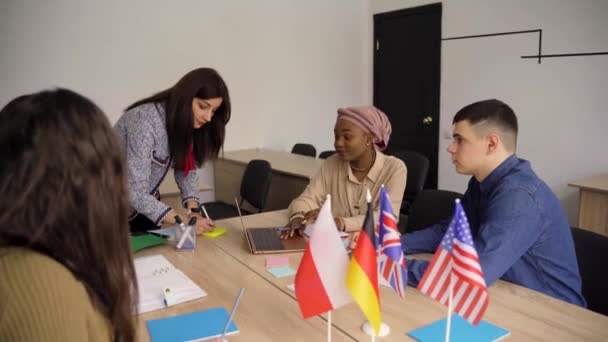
[391, 261]
[362, 276]
[319, 282]
[456, 261]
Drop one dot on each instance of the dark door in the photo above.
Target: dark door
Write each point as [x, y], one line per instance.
[407, 66]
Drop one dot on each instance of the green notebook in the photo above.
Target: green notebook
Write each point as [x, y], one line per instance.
[140, 242]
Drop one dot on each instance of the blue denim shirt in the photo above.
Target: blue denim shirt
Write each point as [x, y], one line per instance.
[520, 232]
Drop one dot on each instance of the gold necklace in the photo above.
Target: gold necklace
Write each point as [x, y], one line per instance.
[364, 168]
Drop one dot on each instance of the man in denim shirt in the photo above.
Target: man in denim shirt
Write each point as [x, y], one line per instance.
[519, 228]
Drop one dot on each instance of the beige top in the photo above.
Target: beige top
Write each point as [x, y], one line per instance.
[348, 194]
[41, 300]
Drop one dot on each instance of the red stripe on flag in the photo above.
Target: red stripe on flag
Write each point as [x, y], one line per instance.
[473, 303]
[466, 253]
[444, 288]
[458, 305]
[369, 265]
[388, 266]
[427, 273]
[389, 221]
[398, 280]
[468, 267]
[310, 292]
[440, 270]
[389, 241]
[482, 310]
[455, 288]
[468, 279]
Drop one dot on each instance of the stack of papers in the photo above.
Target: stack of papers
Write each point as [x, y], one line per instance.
[155, 274]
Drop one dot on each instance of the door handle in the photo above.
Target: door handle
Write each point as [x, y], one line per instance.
[427, 120]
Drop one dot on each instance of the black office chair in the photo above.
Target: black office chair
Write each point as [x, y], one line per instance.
[592, 253]
[417, 171]
[430, 207]
[326, 154]
[304, 149]
[255, 185]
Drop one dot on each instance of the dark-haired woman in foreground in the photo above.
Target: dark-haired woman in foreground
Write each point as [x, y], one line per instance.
[66, 272]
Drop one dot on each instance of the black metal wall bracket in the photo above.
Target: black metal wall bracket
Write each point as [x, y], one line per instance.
[538, 56]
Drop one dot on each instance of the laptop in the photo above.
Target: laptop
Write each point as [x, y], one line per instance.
[268, 240]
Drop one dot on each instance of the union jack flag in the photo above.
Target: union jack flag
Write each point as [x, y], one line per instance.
[391, 262]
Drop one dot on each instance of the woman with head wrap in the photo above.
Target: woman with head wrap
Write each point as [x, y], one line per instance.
[361, 133]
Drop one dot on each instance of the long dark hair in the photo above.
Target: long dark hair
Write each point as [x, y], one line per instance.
[64, 195]
[204, 83]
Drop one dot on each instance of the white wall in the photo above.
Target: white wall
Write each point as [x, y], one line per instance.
[289, 64]
[562, 104]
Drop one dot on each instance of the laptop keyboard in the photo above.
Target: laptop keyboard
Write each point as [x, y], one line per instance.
[266, 239]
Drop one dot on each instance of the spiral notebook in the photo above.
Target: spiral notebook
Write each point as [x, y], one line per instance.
[160, 284]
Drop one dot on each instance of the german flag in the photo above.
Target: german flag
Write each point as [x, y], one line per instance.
[362, 276]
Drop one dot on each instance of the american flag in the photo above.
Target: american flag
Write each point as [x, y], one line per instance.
[456, 258]
[390, 259]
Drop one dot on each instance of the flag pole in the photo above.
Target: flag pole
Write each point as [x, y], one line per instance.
[329, 326]
[450, 304]
[451, 295]
[368, 197]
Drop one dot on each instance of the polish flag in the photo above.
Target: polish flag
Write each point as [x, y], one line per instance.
[320, 280]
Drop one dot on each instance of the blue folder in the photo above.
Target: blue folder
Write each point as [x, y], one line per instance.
[198, 325]
[460, 331]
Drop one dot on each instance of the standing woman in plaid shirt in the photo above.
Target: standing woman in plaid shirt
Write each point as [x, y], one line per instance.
[180, 127]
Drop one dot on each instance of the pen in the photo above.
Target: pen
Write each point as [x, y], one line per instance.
[185, 230]
[202, 208]
[179, 221]
[283, 229]
[231, 315]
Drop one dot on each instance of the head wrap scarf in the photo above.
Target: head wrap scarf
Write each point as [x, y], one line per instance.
[371, 120]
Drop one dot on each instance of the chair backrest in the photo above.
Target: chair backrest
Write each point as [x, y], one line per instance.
[326, 154]
[417, 171]
[430, 207]
[304, 149]
[256, 183]
[592, 253]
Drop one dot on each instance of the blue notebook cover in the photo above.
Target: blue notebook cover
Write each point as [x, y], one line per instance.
[199, 325]
[460, 331]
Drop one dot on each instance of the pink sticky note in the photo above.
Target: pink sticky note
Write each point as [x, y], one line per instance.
[276, 261]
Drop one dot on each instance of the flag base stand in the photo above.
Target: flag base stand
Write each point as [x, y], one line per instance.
[384, 329]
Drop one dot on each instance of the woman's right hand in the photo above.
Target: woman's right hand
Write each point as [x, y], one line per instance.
[298, 223]
[170, 218]
[293, 226]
